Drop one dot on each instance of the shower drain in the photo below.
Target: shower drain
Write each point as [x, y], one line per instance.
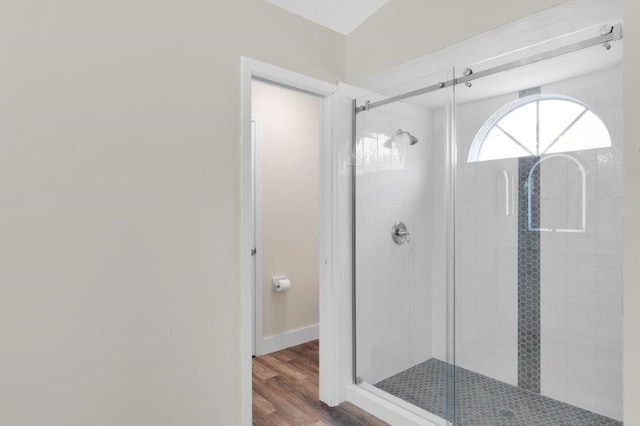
[507, 414]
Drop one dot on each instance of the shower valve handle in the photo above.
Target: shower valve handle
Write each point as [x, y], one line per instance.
[400, 234]
[403, 233]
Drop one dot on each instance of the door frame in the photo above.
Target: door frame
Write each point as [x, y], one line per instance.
[256, 182]
[251, 69]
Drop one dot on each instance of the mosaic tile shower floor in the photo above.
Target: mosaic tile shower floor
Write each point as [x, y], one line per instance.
[483, 401]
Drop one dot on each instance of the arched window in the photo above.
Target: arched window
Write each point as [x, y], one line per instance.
[537, 125]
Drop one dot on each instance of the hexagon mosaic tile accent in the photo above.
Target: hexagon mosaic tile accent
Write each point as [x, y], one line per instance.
[481, 400]
[529, 275]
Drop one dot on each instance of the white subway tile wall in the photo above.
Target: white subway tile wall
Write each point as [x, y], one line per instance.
[393, 281]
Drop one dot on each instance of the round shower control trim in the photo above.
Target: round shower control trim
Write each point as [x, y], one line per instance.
[400, 234]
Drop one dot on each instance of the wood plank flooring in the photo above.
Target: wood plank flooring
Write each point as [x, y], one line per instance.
[285, 392]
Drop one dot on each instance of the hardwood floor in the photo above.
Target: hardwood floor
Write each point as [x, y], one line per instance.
[285, 392]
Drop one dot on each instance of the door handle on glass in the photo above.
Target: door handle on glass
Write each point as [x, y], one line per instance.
[507, 193]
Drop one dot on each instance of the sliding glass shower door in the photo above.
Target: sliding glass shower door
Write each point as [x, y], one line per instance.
[488, 238]
[538, 254]
[402, 326]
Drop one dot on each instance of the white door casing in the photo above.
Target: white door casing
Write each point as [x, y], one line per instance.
[329, 388]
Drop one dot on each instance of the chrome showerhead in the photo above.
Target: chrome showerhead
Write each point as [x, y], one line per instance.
[390, 143]
[412, 139]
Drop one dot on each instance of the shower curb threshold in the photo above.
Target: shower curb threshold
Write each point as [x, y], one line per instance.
[389, 408]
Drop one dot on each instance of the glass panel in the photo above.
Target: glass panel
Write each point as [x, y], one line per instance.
[401, 285]
[538, 249]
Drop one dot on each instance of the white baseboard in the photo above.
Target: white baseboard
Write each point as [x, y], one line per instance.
[286, 340]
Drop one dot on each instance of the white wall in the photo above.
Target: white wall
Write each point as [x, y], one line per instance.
[290, 204]
[631, 212]
[120, 130]
[440, 298]
[581, 292]
[403, 30]
[486, 252]
[393, 281]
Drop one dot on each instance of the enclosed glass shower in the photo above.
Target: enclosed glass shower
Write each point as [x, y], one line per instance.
[488, 238]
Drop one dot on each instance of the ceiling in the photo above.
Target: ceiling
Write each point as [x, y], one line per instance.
[342, 16]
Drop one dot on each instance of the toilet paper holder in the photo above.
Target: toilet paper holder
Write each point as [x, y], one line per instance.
[280, 283]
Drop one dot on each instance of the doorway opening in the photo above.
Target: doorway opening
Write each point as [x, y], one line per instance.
[277, 334]
[286, 135]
